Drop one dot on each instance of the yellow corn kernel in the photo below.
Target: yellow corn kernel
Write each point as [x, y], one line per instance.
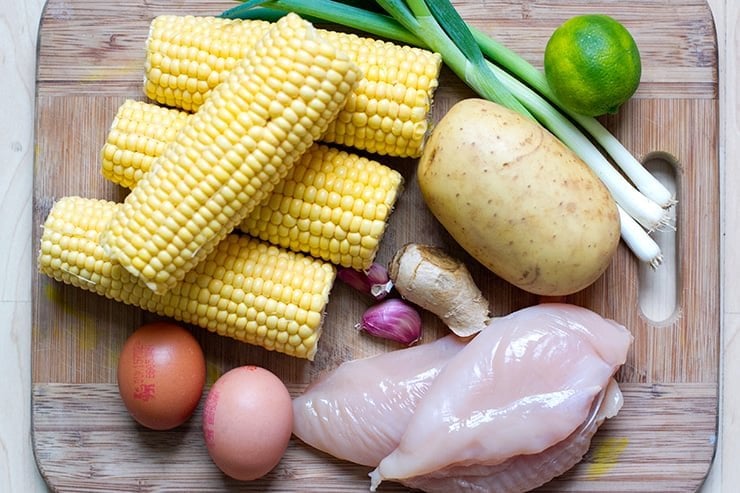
[330, 179]
[139, 133]
[394, 96]
[332, 182]
[244, 289]
[231, 153]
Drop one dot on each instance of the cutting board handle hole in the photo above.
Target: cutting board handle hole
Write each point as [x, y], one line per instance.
[658, 288]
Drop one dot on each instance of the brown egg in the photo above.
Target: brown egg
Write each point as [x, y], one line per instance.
[247, 422]
[161, 374]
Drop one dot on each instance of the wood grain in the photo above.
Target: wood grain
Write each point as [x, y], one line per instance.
[672, 371]
[73, 423]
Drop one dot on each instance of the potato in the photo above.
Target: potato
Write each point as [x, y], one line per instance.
[517, 200]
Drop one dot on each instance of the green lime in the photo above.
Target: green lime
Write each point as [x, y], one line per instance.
[592, 64]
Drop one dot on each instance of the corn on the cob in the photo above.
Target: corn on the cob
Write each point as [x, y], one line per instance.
[230, 155]
[245, 289]
[387, 113]
[139, 133]
[332, 204]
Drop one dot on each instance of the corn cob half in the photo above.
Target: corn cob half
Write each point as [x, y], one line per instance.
[140, 133]
[245, 289]
[387, 113]
[230, 155]
[332, 204]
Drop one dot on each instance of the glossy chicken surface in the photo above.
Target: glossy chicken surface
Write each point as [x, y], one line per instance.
[509, 410]
[359, 411]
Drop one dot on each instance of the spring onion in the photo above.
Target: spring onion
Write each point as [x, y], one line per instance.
[642, 245]
[509, 80]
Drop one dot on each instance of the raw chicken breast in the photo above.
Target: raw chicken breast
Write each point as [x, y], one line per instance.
[524, 472]
[524, 384]
[359, 411]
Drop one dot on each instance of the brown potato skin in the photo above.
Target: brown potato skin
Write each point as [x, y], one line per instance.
[517, 199]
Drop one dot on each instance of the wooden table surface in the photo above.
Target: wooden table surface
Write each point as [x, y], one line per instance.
[18, 33]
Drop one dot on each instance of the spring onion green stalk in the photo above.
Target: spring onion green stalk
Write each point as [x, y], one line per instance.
[461, 54]
[452, 40]
[339, 13]
[435, 25]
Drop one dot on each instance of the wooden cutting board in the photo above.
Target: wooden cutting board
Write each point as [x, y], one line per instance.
[90, 59]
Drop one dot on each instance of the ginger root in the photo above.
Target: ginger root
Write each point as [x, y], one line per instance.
[441, 284]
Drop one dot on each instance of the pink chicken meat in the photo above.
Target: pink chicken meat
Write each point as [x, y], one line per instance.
[359, 411]
[507, 411]
[524, 384]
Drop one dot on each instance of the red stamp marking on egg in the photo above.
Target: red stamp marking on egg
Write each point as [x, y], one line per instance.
[144, 392]
[209, 416]
[144, 371]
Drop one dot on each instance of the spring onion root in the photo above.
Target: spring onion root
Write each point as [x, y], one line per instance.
[637, 239]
